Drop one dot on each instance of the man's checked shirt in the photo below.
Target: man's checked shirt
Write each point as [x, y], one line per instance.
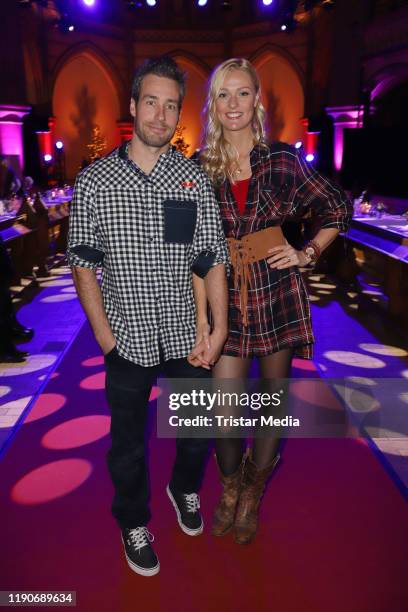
[147, 233]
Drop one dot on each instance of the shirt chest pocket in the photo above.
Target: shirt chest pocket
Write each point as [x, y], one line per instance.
[180, 217]
[274, 200]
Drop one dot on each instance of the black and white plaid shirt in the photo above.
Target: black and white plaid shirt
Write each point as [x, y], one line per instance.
[147, 233]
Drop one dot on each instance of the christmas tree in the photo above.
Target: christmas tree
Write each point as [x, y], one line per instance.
[178, 140]
[97, 146]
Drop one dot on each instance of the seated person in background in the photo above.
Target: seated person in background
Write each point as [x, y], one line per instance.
[11, 330]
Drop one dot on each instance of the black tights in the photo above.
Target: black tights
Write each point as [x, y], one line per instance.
[229, 450]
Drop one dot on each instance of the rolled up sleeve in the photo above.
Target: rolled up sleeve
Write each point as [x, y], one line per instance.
[328, 200]
[209, 246]
[85, 249]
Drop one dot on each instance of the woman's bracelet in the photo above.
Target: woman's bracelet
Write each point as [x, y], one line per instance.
[312, 251]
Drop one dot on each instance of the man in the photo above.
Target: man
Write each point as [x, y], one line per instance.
[148, 217]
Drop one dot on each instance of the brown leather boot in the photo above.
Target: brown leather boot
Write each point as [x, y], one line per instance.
[253, 485]
[225, 511]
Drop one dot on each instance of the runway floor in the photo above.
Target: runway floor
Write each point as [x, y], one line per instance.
[332, 536]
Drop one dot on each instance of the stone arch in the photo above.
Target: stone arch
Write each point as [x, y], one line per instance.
[191, 117]
[85, 92]
[282, 81]
[385, 79]
[97, 55]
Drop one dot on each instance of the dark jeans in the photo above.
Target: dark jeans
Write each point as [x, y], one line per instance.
[128, 388]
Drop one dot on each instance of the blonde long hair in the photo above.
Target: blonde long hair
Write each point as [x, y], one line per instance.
[220, 159]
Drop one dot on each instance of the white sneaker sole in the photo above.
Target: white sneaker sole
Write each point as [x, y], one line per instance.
[190, 532]
[141, 570]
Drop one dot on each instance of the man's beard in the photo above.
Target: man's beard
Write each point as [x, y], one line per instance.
[150, 139]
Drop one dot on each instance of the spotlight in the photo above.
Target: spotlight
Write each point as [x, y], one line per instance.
[64, 24]
[89, 2]
[298, 144]
[310, 157]
[59, 145]
[267, 2]
[151, 2]
[202, 2]
[284, 27]
[47, 158]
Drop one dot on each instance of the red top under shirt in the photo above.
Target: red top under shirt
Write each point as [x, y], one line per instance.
[240, 191]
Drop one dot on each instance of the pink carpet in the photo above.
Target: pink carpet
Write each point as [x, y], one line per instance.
[333, 533]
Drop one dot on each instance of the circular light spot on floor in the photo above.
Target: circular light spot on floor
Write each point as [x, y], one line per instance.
[384, 349]
[94, 382]
[59, 271]
[314, 278]
[59, 282]
[323, 292]
[62, 297]
[404, 373]
[353, 306]
[323, 285]
[51, 481]
[371, 292]
[361, 380]
[68, 290]
[355, 360]
[314, 298]
[77, 432]
[358, 401]
[388, 434]
[31, 364]
[93, 361]
[404, 397]
[304, 364]
[322, 367]
[4, 390]
[44, 376]
[46, 404]
[11, 411]
[155, 393]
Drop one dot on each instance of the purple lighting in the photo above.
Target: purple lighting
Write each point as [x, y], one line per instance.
[310, 157]
[267, 2]
[89, 2]
[298, 144]
[202, 2]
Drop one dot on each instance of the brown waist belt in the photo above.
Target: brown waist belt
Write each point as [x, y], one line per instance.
[251, 248]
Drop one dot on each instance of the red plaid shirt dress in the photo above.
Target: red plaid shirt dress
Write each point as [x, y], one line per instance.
[282, 187]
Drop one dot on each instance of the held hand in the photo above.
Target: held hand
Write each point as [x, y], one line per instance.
[286, 256]
[196, 357]
[217, 341]
[205, 355]
[202, 343]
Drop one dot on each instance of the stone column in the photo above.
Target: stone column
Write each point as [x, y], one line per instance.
[343, 117]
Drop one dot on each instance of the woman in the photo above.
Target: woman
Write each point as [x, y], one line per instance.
[258, 187]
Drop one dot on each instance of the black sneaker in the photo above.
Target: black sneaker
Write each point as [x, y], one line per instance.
[139, 554]
[187, 506]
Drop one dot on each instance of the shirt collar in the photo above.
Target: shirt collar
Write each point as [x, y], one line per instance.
[124, 147]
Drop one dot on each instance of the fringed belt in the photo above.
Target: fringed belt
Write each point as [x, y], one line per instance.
[251, 248]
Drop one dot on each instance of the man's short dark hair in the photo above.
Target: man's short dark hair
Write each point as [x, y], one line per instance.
[163, 66]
